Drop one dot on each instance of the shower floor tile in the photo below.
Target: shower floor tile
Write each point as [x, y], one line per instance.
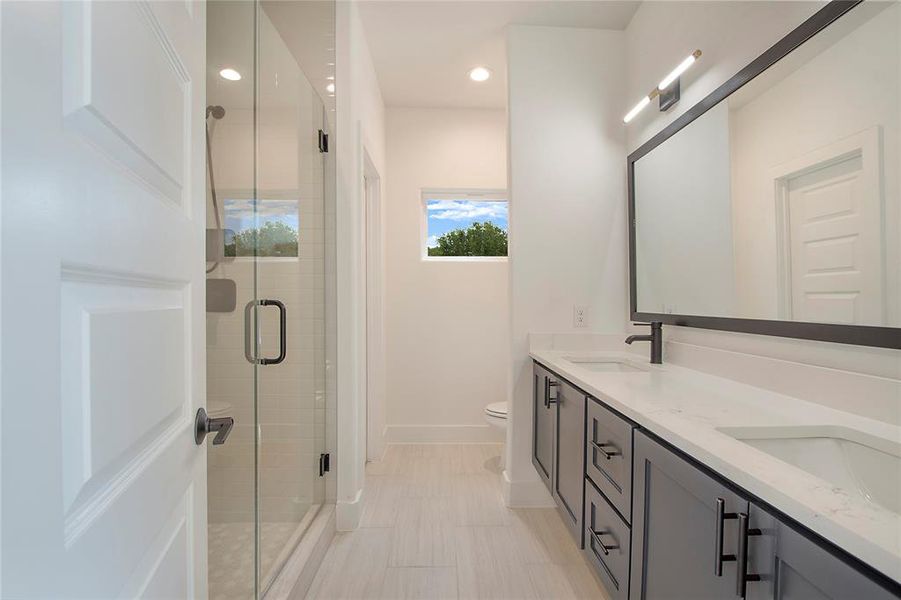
[231, 556]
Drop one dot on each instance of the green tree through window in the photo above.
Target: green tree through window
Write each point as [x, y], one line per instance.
[274, 238]
[479, 239]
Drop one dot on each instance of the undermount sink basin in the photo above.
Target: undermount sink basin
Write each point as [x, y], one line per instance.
[858, 463]
[604, 365]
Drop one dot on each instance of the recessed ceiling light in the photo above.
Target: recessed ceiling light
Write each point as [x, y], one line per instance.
[230, 74]
[330, 88]
[480, 74]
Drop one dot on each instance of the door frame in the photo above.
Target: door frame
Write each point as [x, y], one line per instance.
[374, 299]
[865, 144]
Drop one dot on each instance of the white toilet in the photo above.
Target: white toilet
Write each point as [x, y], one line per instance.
[496, 415]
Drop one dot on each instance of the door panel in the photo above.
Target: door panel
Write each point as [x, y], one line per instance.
[835, 230]
[569, 461]
[674, 525]
[110, 51]
[102, 300]
[544, 414]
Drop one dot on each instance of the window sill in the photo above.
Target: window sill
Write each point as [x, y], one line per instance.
[465, 259]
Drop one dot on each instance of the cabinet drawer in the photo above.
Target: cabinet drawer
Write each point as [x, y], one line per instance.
[607, 543]
[608, 449]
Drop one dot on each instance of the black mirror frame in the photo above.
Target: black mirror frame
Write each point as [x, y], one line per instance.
[862, 335]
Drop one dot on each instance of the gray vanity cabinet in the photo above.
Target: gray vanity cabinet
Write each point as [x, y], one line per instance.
[677, 516]
[569, 457]
[544, 420]
[783, 564]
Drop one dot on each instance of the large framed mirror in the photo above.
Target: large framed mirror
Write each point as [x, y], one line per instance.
[773, 206]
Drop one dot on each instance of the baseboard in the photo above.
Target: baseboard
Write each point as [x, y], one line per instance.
[443, 434]
[525, 494]
[295, 578]
[348, 512]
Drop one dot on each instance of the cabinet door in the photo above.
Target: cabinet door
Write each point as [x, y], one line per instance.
[569, 462]
[791, 566]
[677, 549]
[544, 419]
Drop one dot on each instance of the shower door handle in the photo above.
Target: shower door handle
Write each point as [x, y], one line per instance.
[282, 332]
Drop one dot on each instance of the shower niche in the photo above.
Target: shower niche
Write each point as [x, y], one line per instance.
[270, 248]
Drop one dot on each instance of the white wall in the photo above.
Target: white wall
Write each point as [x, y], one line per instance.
[447, 322]
[567, 219]
[732, 34]
[360, 125]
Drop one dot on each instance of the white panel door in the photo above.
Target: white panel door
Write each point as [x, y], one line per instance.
[834, 217]
[102, 266]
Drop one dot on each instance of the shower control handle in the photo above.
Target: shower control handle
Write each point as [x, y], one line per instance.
[204, 424]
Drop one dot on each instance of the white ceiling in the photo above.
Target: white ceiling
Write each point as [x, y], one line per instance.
[289, 35]
[423, 49]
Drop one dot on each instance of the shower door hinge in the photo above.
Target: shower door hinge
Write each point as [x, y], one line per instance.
[323, 141]
[324, 466]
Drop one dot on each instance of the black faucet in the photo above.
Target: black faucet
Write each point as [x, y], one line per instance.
[656, 339]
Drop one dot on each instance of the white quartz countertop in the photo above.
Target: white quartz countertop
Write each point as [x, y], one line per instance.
[688, 408]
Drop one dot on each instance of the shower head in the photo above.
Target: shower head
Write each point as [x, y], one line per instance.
[217, 111]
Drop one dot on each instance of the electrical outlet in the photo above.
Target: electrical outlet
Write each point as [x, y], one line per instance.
[580, 315]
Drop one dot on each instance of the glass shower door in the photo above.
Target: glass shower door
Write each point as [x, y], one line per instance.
[290, 290]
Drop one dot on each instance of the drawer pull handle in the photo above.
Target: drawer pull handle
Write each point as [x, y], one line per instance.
[721, 517]
[602, 448]
[597, 538]
[743, 576]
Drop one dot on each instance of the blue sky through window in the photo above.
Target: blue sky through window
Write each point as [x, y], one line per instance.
[239, 214]
[447, 215]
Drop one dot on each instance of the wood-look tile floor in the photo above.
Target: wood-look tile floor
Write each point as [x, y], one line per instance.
[434, 526]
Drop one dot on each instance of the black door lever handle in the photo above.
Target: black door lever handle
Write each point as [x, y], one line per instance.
[203, 425]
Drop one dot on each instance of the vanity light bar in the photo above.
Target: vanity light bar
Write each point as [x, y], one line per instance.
[664, 83]
[641, 104]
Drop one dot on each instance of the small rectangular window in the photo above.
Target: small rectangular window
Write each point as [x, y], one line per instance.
[465, 224]
[261, 227]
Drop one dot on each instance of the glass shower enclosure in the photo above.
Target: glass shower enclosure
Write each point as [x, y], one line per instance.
[270, 93]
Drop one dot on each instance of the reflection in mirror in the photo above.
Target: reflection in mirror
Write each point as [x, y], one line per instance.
[782, 202]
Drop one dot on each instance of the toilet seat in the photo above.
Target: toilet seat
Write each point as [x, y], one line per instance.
[497, 410]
